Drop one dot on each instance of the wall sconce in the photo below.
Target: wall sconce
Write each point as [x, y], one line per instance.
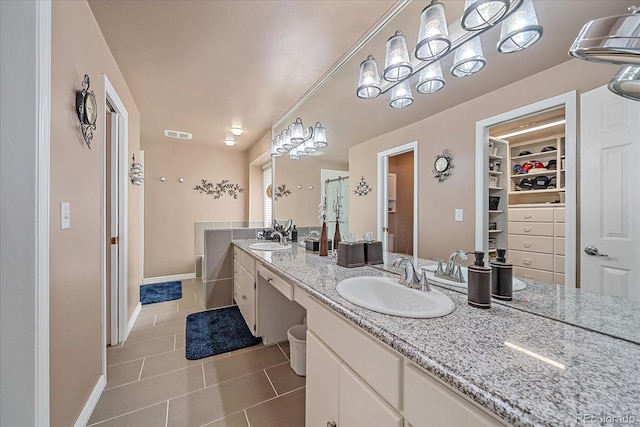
[135, 174]
[362, 188]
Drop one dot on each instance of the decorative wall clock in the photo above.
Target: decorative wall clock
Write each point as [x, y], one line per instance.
[87, 109]
[442, 166]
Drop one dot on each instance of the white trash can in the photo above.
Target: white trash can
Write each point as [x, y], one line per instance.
[298, 349]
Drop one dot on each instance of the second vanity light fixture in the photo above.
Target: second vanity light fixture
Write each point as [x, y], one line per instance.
[519, 30]
[298, 141]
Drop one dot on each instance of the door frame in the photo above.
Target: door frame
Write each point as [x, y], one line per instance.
[119, 308]
[569, 101]
[382, 204]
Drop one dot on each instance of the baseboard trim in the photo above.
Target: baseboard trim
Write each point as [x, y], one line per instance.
[161, 279]
[83, 418]
[133, 318]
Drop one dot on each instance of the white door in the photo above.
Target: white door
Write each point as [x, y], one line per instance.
[610, 206]
[113, 221]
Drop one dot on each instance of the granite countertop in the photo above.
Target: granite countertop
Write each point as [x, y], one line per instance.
[596, 379]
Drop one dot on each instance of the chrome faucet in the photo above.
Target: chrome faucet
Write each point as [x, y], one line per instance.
[452, 271]
[283, 239]
[409, 277]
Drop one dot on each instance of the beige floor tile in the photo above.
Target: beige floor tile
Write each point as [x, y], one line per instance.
[160, 331]
[123, 373]
[252, 348]
[180, 341]
[144, 322]
[127, 398]
[284, 345]
[239, 419]
[177, 317]
[241, 364]
[139, 350]
[213, 403]
[159, 308]
[287, 410]
[153, 416]
[284, 379]
[171, 361]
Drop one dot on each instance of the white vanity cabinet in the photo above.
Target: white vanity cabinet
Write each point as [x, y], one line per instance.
[244, 286]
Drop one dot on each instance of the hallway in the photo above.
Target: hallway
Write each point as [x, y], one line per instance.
[151, 383]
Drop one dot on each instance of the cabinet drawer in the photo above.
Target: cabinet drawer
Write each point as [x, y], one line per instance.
[245, 259]
[531, 260]
[277, 282]
[560, 230]
[560, 245]
[531, 243]
[374, 362]
[559, 264]
[429, 402]
[559, 279]
[528, 273]
[245, 302]
[560, 215]
[531, 215]
[531, 228]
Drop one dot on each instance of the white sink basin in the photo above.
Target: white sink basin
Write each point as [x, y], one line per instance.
[518, 285]
[385, 295]
[269, 246]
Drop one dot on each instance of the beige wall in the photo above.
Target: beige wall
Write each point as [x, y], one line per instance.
[172, 208]
[76, 177]
[454, 129]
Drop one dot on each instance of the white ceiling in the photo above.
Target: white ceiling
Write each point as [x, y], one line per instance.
[203, 66]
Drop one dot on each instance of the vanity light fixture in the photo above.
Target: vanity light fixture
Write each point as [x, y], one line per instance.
[614, 40]
[520, 30]
[135, 173]
[299, 141]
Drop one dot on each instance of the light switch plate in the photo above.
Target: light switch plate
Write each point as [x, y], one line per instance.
[65, 215]
[459, 215]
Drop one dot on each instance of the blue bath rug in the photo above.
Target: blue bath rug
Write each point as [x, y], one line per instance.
[159, 292]
[217, 331]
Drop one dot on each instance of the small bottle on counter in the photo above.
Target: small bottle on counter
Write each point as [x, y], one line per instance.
[479, 289]
[294, 234]
[502, 277]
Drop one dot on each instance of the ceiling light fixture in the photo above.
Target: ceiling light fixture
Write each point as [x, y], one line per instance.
[229, 141]
[520, 30]
[236, 130]
[614, 40]
[533, 128]
[298, 141]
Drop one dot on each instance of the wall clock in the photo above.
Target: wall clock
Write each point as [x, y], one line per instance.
[87, 110]
[442, 166]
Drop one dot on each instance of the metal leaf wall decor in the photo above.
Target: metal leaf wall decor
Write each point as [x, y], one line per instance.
[219, 189]
[281, 191]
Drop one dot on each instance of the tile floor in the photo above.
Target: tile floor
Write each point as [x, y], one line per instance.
[151, 383]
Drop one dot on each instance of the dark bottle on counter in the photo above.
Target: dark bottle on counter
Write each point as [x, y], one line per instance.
[479, 289]
[294, 234]
[502, 277]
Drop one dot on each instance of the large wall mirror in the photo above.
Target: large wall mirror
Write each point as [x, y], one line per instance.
[359, 129]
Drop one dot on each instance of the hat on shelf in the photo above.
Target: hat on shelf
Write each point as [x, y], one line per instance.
[549, 148]
[524, 153]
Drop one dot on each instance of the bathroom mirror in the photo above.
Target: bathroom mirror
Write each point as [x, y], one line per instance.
[359, 129]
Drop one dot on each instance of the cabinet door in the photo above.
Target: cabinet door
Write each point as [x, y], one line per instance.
[361, 406]
[323, 370]
[244, 294]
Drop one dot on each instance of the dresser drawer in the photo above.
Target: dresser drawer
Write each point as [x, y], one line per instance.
[522, 242]
[528, 273]
[560, 215]
[560, 230]
[559, 264]
[560, 245]
[531, 260]
[559, 279]
[245, 259]
[531, 215]
[531, 228]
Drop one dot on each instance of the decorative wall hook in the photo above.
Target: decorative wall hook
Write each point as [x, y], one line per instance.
[87, 110]
[219, 189]
[135, 174]
[362, 188]
[163, 179]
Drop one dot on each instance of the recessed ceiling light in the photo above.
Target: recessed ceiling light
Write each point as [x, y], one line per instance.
[237, 130]
[533, 128]
[230, 142]
[177, 134]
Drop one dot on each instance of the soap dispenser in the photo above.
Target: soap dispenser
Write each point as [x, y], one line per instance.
[479, 288]
[502, 277]
[294, 234]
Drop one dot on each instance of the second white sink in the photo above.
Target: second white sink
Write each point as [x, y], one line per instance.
[385, 295]
[269, 246]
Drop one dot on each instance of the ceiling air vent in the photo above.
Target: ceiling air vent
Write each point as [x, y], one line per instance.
[177, 134]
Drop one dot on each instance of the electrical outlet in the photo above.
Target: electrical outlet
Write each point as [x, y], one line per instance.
[459, 215]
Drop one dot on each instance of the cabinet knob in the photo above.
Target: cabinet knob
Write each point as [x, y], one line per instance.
[269, 279]
[528, 216]
[244, 297]
[526, 244]
[331, 424]
[527, 230]
[526, 261]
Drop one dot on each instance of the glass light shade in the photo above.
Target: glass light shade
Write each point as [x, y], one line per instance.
[279, 146]
[293, 154]
[480, 14]
[275, 152]
[627, 82]
[319, 136]
[309, 146]
[469, 58]
[297, 131]
[286, 140]
[520, 29]
[433, 37]
[300, 151]
[397, 64]
[401, 95]
[430, 79]
[369, 81]
[612, 40]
